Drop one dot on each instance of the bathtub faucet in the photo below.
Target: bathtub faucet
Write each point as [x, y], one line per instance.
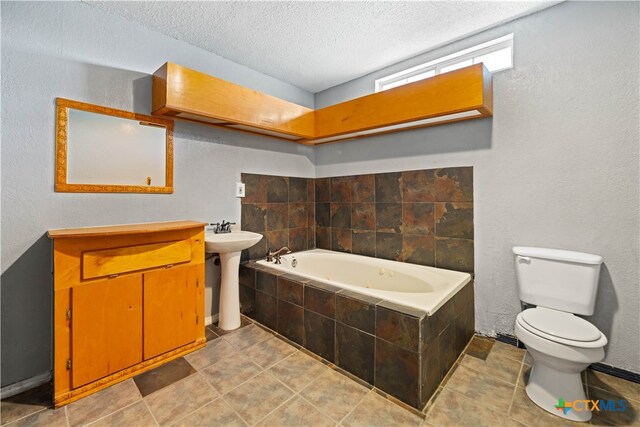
[275, 256]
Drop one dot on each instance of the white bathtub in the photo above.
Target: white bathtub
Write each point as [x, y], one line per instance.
[421, 287]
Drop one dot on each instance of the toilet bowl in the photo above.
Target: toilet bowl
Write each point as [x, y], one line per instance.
[560, 284]
[562, 346]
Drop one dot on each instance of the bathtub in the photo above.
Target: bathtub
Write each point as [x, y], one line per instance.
[421, 287]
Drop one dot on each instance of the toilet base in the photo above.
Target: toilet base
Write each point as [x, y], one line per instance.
[547, 385]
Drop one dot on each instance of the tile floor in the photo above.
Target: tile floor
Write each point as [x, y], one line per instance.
[253, 377]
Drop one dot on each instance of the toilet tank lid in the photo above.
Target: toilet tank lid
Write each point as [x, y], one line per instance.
[557, 254]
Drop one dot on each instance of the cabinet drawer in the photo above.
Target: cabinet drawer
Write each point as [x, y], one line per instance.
[132, 258]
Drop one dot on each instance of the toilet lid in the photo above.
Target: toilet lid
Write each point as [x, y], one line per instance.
[560, 324]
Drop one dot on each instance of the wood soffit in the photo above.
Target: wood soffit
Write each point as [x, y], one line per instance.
[185, 94]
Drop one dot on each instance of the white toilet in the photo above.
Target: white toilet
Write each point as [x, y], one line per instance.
[560, 284]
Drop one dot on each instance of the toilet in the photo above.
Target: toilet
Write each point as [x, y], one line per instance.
[560, 284]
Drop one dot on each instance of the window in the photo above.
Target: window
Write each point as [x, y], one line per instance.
[497, 55]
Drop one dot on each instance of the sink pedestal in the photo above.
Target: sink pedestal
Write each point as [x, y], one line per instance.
[229, 311]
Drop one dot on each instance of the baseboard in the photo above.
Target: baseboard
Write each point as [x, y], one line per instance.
[616, 372]
[24, 385]
[508, 339]
[209, 320]
[600, 367]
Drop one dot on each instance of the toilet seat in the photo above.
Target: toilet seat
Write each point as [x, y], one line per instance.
[561, 327]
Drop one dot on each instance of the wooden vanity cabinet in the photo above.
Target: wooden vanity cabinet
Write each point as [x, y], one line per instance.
[126, 299]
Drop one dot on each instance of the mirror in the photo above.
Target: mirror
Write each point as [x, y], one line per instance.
[104, 150]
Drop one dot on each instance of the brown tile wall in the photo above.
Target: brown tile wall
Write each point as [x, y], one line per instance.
[281, 209]
[398, 349]
[422, 217]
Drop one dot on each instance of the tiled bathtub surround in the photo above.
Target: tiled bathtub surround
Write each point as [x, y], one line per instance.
[281, 209]
[422, 217]
[399, 350]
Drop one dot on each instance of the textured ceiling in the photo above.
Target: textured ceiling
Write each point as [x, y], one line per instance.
[317, 45]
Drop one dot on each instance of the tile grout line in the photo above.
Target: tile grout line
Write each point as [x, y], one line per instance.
[199, 407]
[222, 396]
[111, 413]
[146, 405]
[234, 410]
[316, 408]
[28, 415]
[515, 389]
[309, 402]
[275, 409]
[355, 406]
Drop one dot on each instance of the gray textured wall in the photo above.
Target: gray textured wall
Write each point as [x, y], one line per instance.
[72, 50]
[557, 166]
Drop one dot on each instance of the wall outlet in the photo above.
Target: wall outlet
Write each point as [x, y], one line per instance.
[239, 189]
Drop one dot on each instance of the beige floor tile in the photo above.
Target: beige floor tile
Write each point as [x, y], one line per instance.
[527, 412]
[618, 386]
[230, 372]
[453, 409]
[246, 337]
[102, 403]
[375, 410]
[496, 365]
[179, 399]
[629, 417]
[44, 418]
[211, 353]
[269, 352]
[216, 413]
[136, 415]
[508, 350]
[28, 402]
[298, 370]
[481, 388]
[334, 394]
[296, 413]
[256, 398]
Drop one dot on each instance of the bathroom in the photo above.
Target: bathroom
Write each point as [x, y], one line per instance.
[556, 166]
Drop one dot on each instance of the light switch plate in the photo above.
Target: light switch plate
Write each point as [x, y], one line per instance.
[239, 189]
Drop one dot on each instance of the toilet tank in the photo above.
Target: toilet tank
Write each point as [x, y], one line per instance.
[558, 279]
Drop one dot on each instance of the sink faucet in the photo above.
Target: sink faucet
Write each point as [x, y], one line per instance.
[275, 256]
[222, 227]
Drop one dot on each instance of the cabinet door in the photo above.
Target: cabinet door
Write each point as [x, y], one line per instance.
[106, 328]
[169, 309]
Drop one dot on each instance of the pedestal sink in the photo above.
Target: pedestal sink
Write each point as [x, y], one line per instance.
[229, 246]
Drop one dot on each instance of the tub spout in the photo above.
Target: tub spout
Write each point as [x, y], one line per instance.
[276, 255]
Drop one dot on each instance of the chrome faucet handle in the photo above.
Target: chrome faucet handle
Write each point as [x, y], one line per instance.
[277, 259]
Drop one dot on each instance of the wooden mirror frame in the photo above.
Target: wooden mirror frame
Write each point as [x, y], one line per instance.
[62, 120]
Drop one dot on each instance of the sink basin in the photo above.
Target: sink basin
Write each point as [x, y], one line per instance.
[224, 243]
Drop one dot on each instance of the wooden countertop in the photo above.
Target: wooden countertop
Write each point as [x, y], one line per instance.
[108, 230]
